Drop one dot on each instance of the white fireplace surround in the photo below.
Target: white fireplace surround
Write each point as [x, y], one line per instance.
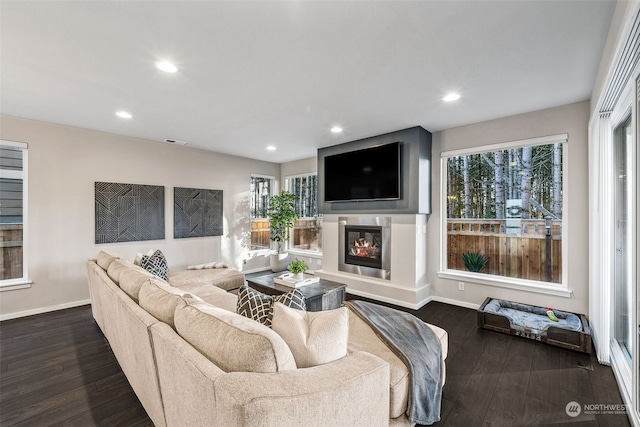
[407, 286]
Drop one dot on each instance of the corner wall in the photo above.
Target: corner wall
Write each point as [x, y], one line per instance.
[64, 163]
[572, 119]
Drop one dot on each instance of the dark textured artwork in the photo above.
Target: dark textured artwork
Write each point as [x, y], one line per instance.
[197, 212]
[129, 212]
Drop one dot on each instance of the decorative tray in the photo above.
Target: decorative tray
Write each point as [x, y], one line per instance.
[287, 279]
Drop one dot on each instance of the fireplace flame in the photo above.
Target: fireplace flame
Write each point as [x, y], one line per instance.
[363, 248]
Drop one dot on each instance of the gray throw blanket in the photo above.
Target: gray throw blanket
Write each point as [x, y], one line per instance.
[418, 347]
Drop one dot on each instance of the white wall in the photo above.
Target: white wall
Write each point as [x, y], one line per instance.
[572, 119]
[64, 163]
[299, 167]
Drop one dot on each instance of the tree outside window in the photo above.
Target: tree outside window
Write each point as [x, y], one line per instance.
[261, 190]
[505, 206]
[307, 233]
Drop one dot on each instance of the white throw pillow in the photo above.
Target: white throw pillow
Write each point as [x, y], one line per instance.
[314, 338]
[138, 259]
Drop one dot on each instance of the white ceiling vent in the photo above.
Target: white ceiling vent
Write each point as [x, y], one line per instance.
[175, 142]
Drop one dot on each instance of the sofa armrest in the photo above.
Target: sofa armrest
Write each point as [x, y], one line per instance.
[353, 390]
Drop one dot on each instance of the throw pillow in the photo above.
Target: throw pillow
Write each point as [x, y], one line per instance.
[232, 342]
[208, 265]
[259, 307]
[313, 337]
[138, 259]
[156, 264]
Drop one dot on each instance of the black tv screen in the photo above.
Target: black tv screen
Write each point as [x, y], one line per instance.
[368, 174]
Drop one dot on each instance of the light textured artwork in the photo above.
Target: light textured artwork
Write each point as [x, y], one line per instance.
[129, 212]
[197, 212]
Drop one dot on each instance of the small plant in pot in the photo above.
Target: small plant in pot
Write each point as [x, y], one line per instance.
[474, 261]
[282, 217]
[297, 268]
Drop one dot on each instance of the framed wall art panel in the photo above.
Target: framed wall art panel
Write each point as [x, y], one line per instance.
[128, 212]
[197, 212]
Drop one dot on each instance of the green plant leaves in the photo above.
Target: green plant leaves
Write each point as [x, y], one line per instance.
[474, 261]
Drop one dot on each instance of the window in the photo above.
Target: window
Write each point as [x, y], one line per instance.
[13, 209]
[504, 210]
[261, 189]
[307, 233]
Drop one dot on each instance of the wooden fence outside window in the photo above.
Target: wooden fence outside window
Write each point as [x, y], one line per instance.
[11, 251]
[524, 255]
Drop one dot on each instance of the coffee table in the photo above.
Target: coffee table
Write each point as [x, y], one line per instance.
[324, 295]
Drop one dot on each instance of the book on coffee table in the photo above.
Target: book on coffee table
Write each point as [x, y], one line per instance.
[287, 279]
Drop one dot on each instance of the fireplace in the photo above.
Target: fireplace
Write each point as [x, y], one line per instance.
[365, 246]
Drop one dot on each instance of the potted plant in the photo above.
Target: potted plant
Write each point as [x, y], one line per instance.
[282, 217]
[474, 261]
[297, 268]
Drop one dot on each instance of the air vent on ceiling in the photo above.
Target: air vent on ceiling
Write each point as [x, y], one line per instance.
[175, 142]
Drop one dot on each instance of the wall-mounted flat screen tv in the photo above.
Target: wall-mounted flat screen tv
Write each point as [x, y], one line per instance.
[367, 174]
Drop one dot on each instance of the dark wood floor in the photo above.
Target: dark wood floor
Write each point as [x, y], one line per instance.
[57, 369]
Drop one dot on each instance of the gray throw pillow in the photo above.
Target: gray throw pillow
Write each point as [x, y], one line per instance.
[259, 307]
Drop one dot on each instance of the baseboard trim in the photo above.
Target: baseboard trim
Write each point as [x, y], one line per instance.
[389, 300]
[456, 302]
[41, 310]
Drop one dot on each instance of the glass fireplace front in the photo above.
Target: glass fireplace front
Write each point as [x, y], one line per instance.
[363, 245]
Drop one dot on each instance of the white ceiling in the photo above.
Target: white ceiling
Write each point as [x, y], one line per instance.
[262, 73]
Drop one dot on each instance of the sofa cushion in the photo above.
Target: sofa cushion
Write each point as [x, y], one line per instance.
[232, 342]
[259, 307]
[132, 278]
[314, 338]
[156, 264]
[223, 278]
[105, 258]
[226, 301]
[160, 299]
[363, 338]
[116, 267]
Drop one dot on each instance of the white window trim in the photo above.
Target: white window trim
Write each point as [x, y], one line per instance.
[21, 282]
[301, 252]
[622, 372]
[556, 289]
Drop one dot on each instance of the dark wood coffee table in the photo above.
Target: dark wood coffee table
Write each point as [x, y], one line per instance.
[324, 295]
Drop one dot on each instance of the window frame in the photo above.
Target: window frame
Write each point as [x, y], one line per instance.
[305, 252]
[21, 282]
[557, 289]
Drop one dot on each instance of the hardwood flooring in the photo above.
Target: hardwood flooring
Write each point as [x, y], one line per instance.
[56, 369]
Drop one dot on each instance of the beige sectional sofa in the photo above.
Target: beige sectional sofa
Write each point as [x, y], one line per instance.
[192, 361]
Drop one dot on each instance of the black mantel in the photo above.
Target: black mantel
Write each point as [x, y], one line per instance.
[415, 169]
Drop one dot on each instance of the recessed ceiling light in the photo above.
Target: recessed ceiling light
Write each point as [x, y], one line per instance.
[336, 129]
[271, 148]
[166, 66]
[451, 97]
[123, 114]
